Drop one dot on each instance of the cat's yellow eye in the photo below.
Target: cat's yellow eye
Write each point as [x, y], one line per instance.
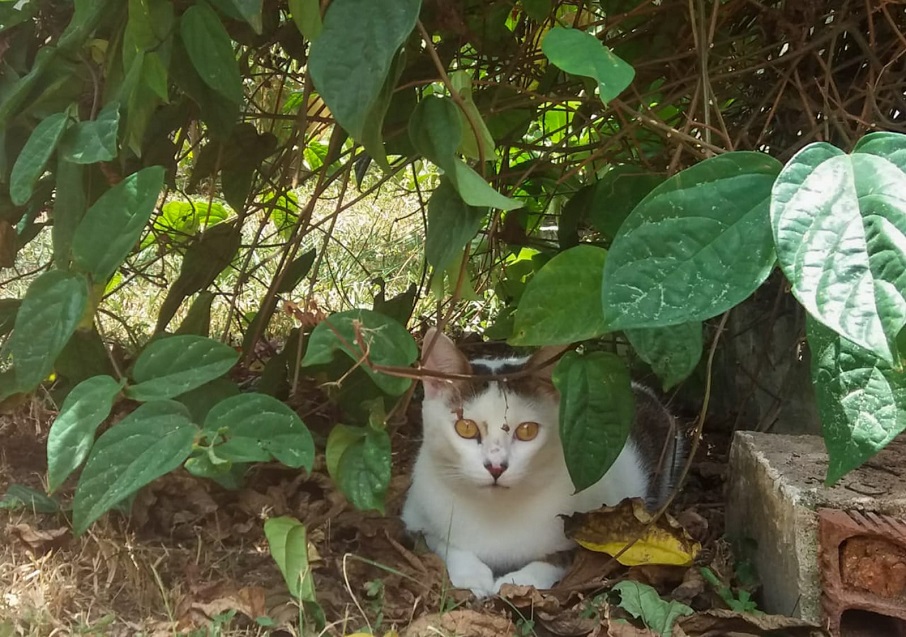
[467, 428]
[527, 431]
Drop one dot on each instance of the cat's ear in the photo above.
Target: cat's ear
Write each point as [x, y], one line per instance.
[440, 354]
[543, 361]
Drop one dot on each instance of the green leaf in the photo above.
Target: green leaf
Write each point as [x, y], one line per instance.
[387, 342]
[198, 318]
[698, 245]
[580, 53]
[839, 224]
[50, 312]
[95, 140]
[68, 210]
[537, 10]
[211, 51]
[596, 413]
[34, 155]
[72, 432]
[475, 191]
[351, 59]
[257, 428]
[452, 224]
[307, 16]
[436, 130]
[202, 399]
[286, 539]
[204, 260]
[364, 470]
[340, 439]
[561, 303]
[642, 602]
[113, 224]
[151, 441]
[250, 10]
[173, 365]
[477, 141]
[616, 195]
[672, 351]
[861, 399]
[296, 271]
[20, 497]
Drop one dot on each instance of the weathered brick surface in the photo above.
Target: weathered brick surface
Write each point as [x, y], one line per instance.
[862, 561]
[775, 488]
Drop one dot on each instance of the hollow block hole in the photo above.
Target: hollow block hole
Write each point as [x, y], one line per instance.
[862, 623]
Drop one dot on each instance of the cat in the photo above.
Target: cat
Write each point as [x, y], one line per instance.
[490, 481]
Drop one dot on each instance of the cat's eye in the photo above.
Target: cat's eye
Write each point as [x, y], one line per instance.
[527, 431]
[467, 429]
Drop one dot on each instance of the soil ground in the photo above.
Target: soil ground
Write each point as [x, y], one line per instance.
[191, 559]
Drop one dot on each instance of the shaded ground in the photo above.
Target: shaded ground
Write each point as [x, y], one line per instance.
[192, 560]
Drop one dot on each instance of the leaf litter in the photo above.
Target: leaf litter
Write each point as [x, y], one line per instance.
[193, 555]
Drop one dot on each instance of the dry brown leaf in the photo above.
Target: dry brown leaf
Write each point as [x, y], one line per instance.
[693, 585]
[461, 623]
[620, 629]
[529, 597]
[36, 540]
[610, 529]
[568, 622]
[589, 570]
[214, 600]
[725, 622]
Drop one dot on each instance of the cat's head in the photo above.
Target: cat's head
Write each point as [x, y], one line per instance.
[488, 433]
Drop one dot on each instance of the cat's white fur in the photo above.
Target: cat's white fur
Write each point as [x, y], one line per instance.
[481, 528]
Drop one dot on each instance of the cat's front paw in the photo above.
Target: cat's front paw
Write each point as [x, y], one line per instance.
[467, 571]
[541, 575]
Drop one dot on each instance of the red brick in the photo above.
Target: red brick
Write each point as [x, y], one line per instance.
[862, 560]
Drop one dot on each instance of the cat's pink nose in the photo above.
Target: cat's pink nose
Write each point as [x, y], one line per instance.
[496, 470]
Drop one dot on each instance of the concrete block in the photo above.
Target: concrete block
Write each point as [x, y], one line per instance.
[776, 486]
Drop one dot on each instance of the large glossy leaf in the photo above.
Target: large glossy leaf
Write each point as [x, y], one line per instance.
[596, 413]
[436, 131]
[72, 432]
[698, 245]
[151, 441]
[581, 53]
[561, 303]
[34, 156]
[452, 224]
[50, 312]
[257, 428]
[839, 223]
[672, 351]
[211, 51]
[173, 365]
[351, 58]
[861, 399]
[113, 224]
[288, 545]
[386, 341]
[94, 140]
[364, 470]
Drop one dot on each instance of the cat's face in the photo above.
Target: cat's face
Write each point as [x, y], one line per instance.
[490, 434]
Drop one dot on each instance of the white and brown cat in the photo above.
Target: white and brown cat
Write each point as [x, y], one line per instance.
[490, 481]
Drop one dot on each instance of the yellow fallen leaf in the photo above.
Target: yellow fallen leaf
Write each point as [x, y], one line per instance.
[610, 529]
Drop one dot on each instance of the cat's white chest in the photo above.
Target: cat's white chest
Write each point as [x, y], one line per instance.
[507, 528]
